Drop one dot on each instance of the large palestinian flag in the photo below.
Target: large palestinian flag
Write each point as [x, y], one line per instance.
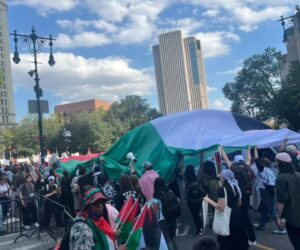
[72, 163]
[162, 140]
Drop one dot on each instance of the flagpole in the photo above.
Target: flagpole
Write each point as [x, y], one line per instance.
[127, 202]
[141, 213]
[120, 221]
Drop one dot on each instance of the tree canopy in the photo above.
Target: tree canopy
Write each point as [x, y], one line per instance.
[255, 85]
[259, 92]
[95, 131]
[287, 100]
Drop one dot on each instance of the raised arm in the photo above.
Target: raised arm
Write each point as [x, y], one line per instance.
[248, 160]
[225, 157]
[283, 145]
[255, 153]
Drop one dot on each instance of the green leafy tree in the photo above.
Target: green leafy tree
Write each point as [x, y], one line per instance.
[287, 101]
[129, 113]
[89, 131]
[26, 134]
[256, 84]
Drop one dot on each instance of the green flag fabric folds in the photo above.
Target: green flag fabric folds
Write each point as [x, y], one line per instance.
[164, 140]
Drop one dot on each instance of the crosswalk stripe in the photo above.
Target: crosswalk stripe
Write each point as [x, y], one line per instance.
[264, 247]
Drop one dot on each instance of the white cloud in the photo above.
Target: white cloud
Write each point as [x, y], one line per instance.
[251, 18]
[211, 13]
[230, 71]
[84, 39]
[217, 43]
[188, 25]
[211, 89]
[80, 25]
[220, 104]
[44, 7]
[76, 78]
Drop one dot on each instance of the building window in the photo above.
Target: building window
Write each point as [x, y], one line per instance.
[4, 119]
[194, 63]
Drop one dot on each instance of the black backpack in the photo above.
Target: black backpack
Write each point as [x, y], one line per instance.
[65, 243]
[194, 193]
[245, 178]
[170, 205]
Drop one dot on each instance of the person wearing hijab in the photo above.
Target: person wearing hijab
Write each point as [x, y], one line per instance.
[237, 240]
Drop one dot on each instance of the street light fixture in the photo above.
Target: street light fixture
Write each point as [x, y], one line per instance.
[35, 43]
[67, 136]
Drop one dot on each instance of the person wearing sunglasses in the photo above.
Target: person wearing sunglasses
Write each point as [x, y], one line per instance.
[93, 228]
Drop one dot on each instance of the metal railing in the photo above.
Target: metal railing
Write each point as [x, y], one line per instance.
[12, 218]
[64, 213]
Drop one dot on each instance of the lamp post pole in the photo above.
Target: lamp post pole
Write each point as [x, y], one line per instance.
[35, 43]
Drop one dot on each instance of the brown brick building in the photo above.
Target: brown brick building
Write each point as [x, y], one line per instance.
[74, 108]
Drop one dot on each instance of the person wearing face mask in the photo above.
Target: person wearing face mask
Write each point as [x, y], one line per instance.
[229, 188]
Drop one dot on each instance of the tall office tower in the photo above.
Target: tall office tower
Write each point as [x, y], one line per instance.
[179, 72]
[7, 108]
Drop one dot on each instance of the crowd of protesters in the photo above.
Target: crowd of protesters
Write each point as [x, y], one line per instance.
[270, 186]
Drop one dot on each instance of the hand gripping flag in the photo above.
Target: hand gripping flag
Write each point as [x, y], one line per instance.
[134, 238]
[126, 219]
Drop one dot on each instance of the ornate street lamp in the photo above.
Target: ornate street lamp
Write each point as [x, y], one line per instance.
[35, 43]
[67, 136]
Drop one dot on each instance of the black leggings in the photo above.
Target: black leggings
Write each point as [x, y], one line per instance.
[195, 211]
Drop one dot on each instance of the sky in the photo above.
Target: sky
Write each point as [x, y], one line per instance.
[103, 47]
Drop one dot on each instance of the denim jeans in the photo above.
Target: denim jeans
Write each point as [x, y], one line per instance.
[267, 208]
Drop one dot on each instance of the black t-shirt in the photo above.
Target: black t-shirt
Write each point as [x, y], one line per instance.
[232, 199]
[121, 197]
[84, 180]
[66, 186]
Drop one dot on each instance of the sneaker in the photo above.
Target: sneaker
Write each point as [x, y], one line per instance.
[258, 227]
[277, 231]
[252, 243]
[36, 224]
[27, 227]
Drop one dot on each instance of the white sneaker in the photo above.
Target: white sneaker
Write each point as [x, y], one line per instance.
[36, 224]
[252, 243]
[277, 231]
[27, 227]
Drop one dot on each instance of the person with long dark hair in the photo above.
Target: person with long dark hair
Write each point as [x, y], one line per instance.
[237, 239]
[27, 197]
[126, 191]
[168, 227]
[287, 188]
[194, 197]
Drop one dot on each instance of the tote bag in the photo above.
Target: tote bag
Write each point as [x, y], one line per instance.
[222, 219]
